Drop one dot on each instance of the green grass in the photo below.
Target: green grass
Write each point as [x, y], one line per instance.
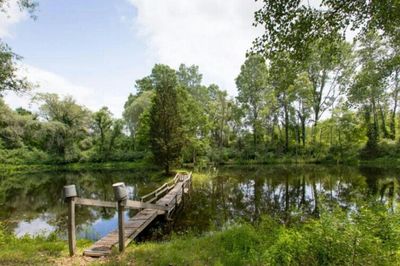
[19, 169]
[28, 250]
[371, 237]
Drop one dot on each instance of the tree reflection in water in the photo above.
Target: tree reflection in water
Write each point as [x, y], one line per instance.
[37, 198]
[287, 192]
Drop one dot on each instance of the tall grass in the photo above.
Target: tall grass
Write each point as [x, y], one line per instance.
[370, 236]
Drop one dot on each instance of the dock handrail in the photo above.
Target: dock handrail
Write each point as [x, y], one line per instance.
[122, 202]
[165, 187]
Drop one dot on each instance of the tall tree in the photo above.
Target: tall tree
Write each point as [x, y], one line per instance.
[102, 125]
[134, 108]
[9, 79]
[283, 73]
[291, 25]
[368, 87]
[303, 103]
[70, 122]
[328, 66]
[252, 83]
[165, 120]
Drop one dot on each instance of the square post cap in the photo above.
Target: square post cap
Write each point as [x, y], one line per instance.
[70, 191]
[120, 192]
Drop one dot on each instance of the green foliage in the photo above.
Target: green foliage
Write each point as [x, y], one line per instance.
[165, 119]
[368, 236]
[252, 85]
[28, 250]
[39, 250]
[292, 25]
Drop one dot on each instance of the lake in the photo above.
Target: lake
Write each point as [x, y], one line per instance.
[33, 204]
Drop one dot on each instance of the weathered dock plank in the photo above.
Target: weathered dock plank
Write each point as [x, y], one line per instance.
[137, 224]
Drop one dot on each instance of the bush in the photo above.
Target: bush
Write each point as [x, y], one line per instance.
[23, 156]
[368, 236]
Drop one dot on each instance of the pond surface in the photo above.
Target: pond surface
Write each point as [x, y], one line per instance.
[32, 204]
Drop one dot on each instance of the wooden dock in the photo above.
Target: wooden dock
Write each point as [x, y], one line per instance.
[162, 201]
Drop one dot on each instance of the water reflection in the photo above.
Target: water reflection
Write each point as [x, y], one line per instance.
[37, 226]
[286, 192]
[33, 203]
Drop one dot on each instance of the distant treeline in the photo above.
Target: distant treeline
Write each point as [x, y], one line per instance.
[304, 93]
[327, 111]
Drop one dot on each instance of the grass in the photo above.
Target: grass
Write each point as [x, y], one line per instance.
[370, 237]
[29, 250]
[10, 169]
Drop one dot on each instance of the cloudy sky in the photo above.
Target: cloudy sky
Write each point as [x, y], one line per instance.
[94, 50]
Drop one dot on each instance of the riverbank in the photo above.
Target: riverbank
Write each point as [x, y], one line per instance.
[29, 250]
[146, 165]
[369, 237]
[34, 168]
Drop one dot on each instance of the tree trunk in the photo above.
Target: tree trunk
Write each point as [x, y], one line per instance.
[166, 168]
[383, 124]
[395, 97]
[303, 130]
[286, 128]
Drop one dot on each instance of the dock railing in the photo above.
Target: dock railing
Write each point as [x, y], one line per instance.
[122, 202]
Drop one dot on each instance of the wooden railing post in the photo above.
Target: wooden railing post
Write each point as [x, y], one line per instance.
[183, 193]
[70, 195]
[121, 196]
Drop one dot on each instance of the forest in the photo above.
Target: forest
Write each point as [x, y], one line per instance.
[298, 167]
[338, 103]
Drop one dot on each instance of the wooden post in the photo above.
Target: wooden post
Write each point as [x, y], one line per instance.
[121, 196]
[70, 195]
[121, 229]
[183, 193]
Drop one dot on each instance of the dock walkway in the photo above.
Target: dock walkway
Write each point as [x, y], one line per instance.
[167, 198]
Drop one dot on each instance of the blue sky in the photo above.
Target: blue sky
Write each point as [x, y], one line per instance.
[94, 50]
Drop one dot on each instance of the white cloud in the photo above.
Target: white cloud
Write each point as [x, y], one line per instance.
[38, 226]
[11, 15]
[53, 83]
[214, 34]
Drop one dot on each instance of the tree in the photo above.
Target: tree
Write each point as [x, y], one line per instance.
[134, 109]
[303, 102]
[102, 122]
[368, 87]
[70, 123]
[283, 73]
[252, 83]
[292, 25]
[328, 66]
[165, 120]
[189, 77]
[9, 80]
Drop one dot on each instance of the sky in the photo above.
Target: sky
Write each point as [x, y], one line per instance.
[94, 50]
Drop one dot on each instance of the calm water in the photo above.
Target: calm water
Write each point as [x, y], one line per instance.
[32, 204]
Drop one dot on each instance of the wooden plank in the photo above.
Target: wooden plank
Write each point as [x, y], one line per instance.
[132, 229]
[143, 205]
[134, 226]
[96, 203]
[140, 229]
